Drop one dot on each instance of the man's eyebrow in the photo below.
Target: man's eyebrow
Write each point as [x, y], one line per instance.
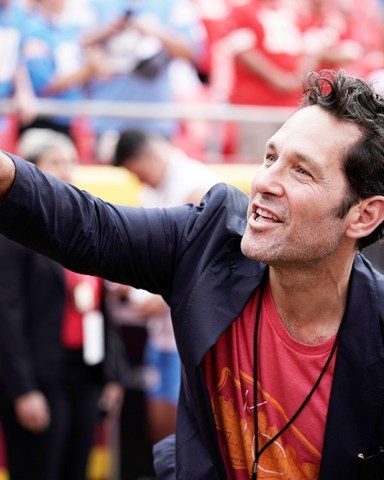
[270, 145]
[307, 160]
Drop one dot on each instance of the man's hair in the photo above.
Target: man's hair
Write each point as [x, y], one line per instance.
[131, 143]
[354, 100]
[35, 142]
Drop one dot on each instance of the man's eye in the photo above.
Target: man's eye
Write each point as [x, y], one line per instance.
[302, 171]
[269, 158]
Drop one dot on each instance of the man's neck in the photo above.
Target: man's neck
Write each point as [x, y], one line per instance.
[311, 304]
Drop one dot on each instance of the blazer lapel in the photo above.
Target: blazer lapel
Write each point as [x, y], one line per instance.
[357, 395]
[217, 299]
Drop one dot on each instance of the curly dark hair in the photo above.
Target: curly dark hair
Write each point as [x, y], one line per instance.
[354, 100]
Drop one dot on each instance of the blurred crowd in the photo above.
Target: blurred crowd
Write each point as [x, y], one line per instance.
[127, 52]
[118, 54]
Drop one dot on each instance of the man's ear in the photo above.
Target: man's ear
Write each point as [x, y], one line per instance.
[365, 216]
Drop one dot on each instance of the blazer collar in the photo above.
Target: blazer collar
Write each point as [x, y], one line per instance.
[357, 394]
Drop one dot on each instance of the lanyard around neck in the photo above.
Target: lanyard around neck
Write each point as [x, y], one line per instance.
[306, 399]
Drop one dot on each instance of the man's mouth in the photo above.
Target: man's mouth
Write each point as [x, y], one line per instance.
[265, 216]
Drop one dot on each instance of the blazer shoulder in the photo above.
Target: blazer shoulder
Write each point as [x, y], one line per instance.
[223, 193]
[221, 213]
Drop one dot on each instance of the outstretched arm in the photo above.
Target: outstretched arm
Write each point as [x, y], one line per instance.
[129, 245]
[86, 234]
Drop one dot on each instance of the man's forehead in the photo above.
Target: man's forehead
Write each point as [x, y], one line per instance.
[319, 126]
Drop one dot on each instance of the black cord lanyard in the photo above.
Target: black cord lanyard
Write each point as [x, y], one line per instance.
[306, 400]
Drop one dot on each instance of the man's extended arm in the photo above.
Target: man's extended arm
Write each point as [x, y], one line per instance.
[86, 234]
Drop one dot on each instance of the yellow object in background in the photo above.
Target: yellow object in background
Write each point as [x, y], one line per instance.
[117, 185]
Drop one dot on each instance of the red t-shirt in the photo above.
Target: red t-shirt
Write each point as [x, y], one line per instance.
[287, 371]
[274, 33]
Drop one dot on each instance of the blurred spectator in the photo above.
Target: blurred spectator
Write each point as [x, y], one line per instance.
[135, 445]
[274, 42]
[58, 66]
[215, 17]
[60, 360]
[327, 34]
[14, 79]
[151, 51]
[169, 178]
[222, 143]
[365, 22]
[368, 22]
[267, 48]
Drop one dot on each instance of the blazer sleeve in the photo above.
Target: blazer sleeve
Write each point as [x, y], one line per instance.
[142, 247]
[126, 245]
[16, 364]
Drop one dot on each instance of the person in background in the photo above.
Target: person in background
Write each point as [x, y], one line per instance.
[15, 83]
[327, 34]
[60, 361]
[169, 178]
[266, 45]
[151, 50]
[58, 65]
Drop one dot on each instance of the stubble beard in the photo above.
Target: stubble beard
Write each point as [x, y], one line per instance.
[301, 253]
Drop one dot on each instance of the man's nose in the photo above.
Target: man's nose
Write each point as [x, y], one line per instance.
[268, 179]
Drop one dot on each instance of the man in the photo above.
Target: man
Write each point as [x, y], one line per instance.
[266, 46]
[149, 50]
[15, 82]
[279, 275]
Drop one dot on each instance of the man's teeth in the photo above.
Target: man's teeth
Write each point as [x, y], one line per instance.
[264, 214]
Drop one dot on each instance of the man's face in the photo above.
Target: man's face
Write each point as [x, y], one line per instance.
[58, 162]
[148, 166]
[297, 191]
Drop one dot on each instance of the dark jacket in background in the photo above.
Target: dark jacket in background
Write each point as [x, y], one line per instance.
[32, 358]
[32, 301]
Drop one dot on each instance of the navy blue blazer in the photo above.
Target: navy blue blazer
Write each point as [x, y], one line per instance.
[191, 256]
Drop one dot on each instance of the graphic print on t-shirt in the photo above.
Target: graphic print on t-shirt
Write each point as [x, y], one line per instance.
[237, 431]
